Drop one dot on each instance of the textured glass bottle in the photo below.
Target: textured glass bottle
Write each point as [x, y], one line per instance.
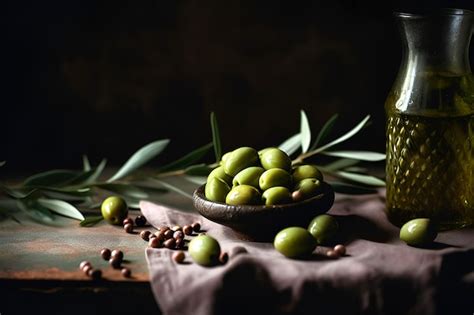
[430, 122]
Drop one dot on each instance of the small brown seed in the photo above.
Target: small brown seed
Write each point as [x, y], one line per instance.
[83, 264]
[224, 257]
[127, 221]
[86, 269]
[332, 254]
[179, 243]
[95, 274]
[126, 272]
[168, 234]
[151, 236]
[145, 235]
[140, 220]
[115, 262]
[163, 228]
[117, 254]
[187, 229]
[196, 226]
[237, 250]
[128, 228]
[154, 242]
[178, 257]
[160, 235]
[297, 195]
[105, 253]
[170, 243]
[178, 234]
[340, 249]
[176, 228]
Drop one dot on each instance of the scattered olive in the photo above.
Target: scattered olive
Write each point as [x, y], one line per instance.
[276, 195]
[240, 159]
[168, 234]
[323, 228]
[170, 243]
[243, 195]
[178, 257]
[204, 250]
[275, 158]
[86, 269]
[117, 254]
[294, 242]
[196, 226]
[340, 249]
[154, 242]
[216, 189]
[418, 232]
[248, 176]
[95, 274]
[115, 262]
[128, 228]
[140, 220]
[237, 250]
[176, 228]
[180, 243]
[274, 177]
[178, 234]
[127, 221]
[306, 171]
[188, 229]
[332, 254]
[114, 210]
[105, 253]
[145, 235]
[83, 264]
[223, 258]
[126, 272]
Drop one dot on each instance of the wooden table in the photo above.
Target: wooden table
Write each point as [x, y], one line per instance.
[39, 266]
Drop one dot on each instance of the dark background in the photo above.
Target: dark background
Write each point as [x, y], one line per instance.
[104, 78]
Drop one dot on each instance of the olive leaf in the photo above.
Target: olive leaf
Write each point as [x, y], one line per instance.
[126, 190]
[325, 131]
[305, 132]
[173, 188]
[350, 189]
[88, 177]
[199, 180]
[141, 157]
[188, 159]
[86, 165]
[357, 155]
[61, 207]
[90, 221]
[344, 137]
[198, 170]
[360, 178]
[51, 178]
[17, 193]
[291, 145]
[338, 164]
[35, 211]
[216, 138]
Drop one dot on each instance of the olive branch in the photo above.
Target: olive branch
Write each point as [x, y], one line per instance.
[64, 192]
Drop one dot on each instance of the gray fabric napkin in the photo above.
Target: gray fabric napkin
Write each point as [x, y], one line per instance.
[379, 275]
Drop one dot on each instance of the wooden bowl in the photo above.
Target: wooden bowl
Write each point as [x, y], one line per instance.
[261, 223]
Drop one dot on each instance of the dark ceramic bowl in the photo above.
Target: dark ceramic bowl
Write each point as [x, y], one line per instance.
[261, 223]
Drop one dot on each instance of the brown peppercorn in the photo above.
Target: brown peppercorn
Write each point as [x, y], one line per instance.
[154, 242]
[196, 226]
[83, 264]
[128, 228]
[340, 249]
[176, 228]
[297, 196]
[168, 234]
[95, 274]
[170, 243]
[332, 254]
[86, 269]
[223, 257]
[163, 228]
[151, 236]
[178, 257]
[145, 235]
[178, 234]
[179, 243]
[115, 262]
[126, 272]
[187, 229]
[105, 253]
[237, 250]
[117, 254]
[140, 220]
[127, 221]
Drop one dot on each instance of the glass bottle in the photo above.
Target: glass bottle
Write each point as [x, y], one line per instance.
[430, 122]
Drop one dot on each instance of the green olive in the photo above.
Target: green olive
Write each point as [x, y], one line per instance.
[204, 250]
[275, 158]
[248, 176]
[216, 189]
[224, 158]
[239, 159]
[264, 150]
[294, 242]
[418, 232]
[309, 187]
[114, 210]
[323, 228]
[243, 195]
[306, 171]
[274, 177]
[220, 173]
[276, 196]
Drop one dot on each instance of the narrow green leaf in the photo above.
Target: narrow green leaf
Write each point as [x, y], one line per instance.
[356, 169]
[346, 136]
[88, 177]
[61, 207]
[363, 179]
[174, 188]
[198, 170]
[357, 155]
[2, 163]
[325, 131]
[125, 190]
[338, 164]
[86, 165]
[18, 193]
[132, 203]
[305, 132]
[90, 221]
[216, 138]
[188, 159]
[8, 205]
[349, 189]
[141, 157]
[35, 211]
[51, 178]
[291, 144]
[199, 180]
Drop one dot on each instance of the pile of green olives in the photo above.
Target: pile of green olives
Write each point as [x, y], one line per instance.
[250, 177]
